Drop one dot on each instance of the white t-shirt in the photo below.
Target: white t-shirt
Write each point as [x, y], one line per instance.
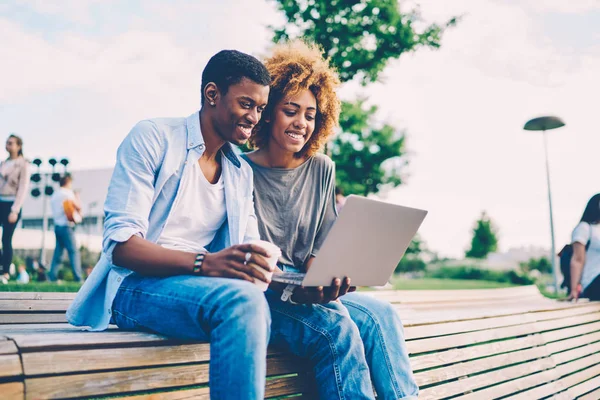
[198, 213]
[582, 234]
[56, 205]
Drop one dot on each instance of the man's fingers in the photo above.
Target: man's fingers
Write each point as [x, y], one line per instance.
[333, 291]
[251, 269]
[233, 273]
[345, 287]
[254, 258]
[253, 248]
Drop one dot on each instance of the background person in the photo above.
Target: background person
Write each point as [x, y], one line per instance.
[64, 204]
[14, 186]
[585, 264]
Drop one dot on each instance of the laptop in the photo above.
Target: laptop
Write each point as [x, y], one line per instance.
[366, 243]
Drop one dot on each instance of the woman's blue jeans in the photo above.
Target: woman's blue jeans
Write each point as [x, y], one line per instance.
[232, 314]
[349, 343]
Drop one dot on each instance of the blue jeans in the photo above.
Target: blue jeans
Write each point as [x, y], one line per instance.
[349, 343]
[232, 314]
[65, 239]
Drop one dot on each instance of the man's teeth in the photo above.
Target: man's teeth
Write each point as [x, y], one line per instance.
[294, 135]
[245, 129]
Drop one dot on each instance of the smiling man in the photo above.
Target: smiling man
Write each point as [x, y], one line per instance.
[178, 210]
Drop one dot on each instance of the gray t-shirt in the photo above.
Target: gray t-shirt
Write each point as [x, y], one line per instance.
[295, 207]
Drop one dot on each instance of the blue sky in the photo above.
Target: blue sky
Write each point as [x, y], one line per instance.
[76, 75]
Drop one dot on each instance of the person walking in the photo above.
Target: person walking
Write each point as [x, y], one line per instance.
[66, 206]
[14, 184]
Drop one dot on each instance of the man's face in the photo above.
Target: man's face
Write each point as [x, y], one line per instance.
[239, 110]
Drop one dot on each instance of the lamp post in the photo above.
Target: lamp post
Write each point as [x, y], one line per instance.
[545, 124]
[36, 178]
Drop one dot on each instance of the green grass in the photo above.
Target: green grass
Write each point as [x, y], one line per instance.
[445, 284]
[40, 287]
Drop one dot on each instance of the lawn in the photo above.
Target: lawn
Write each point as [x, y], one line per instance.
[445, 284]
[399, 283]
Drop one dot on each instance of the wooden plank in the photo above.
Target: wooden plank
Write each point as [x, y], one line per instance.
[61, 362]
[558, 385]
[471, 367]
[572, 343]
[61, 327]
[7, 346]
[585, 387]
[274, 388]
[4, 296]
[447, 357]
[32, 318]
[10, 366]
[579, 352]
[34, 305]
[107, 383]
[40, 341]
[12, 390]
[465, 339]
[483, 380]
[593, 395]
[571, 332]
[435, 296]
[487, 323]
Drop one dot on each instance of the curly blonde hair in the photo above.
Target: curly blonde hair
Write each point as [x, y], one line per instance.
[295, 67]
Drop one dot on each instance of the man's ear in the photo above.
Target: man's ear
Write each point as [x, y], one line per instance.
[211, 93]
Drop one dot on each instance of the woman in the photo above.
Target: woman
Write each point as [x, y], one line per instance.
[585, 264]
[350, 339]
[14, 184]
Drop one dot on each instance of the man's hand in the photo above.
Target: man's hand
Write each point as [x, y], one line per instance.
[12, 217]
[321, 295]
[232, 262]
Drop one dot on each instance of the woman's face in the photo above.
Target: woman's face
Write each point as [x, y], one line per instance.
[293, 122]
[12, 146]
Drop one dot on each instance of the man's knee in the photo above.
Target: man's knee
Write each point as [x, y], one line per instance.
[246, 302]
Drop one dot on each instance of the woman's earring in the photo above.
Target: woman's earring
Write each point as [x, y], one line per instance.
[212, 103]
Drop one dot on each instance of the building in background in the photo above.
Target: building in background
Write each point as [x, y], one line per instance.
[92, 186]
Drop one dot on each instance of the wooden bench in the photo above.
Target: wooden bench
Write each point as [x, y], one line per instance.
[473, 344]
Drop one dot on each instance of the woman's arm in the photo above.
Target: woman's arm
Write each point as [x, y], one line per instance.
[577, 263]
[23, 188]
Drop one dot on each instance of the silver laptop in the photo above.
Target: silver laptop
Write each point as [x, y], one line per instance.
[366, 243]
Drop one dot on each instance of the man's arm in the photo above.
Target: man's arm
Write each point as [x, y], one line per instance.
[577, 263]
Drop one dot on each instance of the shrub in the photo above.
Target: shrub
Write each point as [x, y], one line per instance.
[475, 273]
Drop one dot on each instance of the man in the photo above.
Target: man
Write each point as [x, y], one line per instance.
[178, 210]
[62, 201]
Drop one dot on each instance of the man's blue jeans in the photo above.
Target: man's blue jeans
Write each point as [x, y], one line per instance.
[349, 343]
[65, 239]
[232, 314]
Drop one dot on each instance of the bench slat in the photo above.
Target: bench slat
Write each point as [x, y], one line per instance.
[32, 318]
[536, 379]
[593, 395]
[586, 386]
[11, 366]
[572, 343]
[7, 346]
[464, 354]
[424, 331]
[34, 305]
[12, 390]
[571, 332]
[487, 379]
[484, 364]
[37, 296]
[579, 352]
[464, 339]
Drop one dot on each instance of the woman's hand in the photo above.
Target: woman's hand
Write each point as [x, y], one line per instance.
[321, 295]
[12, 218]
[575, 293]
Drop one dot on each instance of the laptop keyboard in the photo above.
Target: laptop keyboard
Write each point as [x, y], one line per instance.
[293, 278]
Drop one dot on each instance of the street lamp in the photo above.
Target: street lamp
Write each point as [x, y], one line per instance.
[48, 190]
[545, 124]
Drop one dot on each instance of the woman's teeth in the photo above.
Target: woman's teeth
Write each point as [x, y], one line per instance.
[245, 129]
[294, 135]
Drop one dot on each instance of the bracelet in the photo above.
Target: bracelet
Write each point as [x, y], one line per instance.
[197, 270]
[287, 294]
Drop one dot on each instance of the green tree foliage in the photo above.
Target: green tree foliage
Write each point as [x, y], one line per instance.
[484, 238]
[366, 157]
[359, 36]
[541, 264]
[412, 262]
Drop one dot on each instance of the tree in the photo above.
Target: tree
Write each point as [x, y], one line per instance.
[359, 36]
[366, 157]
[484, 238]
[412, 261]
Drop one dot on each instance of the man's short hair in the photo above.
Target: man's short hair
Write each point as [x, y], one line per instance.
[229, 67]
[65, 179]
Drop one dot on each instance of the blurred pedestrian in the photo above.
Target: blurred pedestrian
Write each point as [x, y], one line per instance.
[14, 185]
[23, 276]
[66, 208]
[585, 262]
[340, 199]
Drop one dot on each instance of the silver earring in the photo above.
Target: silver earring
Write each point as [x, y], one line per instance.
[212, 103]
